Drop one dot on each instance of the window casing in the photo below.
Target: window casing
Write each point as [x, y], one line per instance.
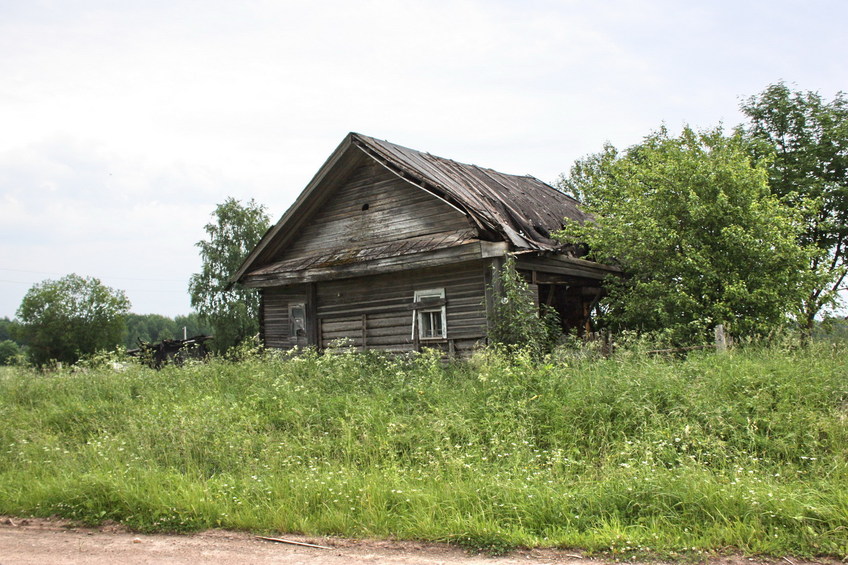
[430, 320]
[297, 321]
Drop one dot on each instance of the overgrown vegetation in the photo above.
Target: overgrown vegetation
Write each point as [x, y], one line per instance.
[516, 322]
[64, 319]
[628, 455]
[700, 237]
[229, 308]
[804, 140]
[150, 328]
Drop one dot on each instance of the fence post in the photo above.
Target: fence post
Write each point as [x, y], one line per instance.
[720, 339]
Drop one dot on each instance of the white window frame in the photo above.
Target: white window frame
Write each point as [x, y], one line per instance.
[418, 315]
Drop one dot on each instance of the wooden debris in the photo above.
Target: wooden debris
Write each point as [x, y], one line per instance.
[171, 350]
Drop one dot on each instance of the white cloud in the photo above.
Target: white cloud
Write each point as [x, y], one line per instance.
[124, 124]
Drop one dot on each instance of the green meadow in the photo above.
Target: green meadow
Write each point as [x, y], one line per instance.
[633, 455]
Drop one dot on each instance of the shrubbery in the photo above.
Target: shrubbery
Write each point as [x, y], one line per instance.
[624, 454]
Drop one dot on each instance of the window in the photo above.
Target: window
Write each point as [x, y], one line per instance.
[429, 314]
[297, 321]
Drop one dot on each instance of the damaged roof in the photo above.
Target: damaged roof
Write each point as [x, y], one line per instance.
[523, 209]
[518, 209]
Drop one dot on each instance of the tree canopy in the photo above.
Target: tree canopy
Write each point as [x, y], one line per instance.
[693, 224]
[69, 317]
[805, 140]
[151, 328]
[233, 312]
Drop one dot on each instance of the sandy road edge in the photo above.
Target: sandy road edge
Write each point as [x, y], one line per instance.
[25, 541]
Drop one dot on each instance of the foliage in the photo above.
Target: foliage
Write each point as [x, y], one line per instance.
[693, 225]
[63, 319]
[806, 141]
[232, 311]
[149, 328]
[515, 321]
[9, 352]
[832, 329]
[625, 455]
[193, 324]
[6, 329]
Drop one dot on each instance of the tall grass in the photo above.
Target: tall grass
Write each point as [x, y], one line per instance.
[632, 454]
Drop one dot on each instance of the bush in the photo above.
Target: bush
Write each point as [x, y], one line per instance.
[516, 321]
[628, 454]
[10, 352]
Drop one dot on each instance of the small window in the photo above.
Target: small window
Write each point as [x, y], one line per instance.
[431, 324]
[297, 321]
[430, 314]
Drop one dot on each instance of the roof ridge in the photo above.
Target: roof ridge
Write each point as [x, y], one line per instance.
[434, 156]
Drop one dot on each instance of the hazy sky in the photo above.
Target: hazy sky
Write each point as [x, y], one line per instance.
[123, 124]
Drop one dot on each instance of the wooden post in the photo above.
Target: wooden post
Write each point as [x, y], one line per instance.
[312, 333]
[262, 317]
[492, 286]
[720, 339]
[364, 332]
[320, 343]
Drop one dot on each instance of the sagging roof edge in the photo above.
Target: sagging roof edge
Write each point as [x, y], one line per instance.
[372, 148]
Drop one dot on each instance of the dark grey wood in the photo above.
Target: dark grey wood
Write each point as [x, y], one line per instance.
[396, 211]
[380, 221]
[312, 314]
[375, 311]
[439, 257]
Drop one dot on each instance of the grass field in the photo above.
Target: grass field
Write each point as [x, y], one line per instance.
[629, 455]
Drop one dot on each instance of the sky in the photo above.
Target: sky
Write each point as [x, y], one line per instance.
[124, 124]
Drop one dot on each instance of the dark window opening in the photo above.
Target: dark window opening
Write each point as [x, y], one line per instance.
[297, 321]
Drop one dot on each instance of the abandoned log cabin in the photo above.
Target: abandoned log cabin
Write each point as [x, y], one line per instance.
[394, 249]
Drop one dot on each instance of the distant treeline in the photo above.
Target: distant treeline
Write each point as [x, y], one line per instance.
[155, 327]
[144, 327]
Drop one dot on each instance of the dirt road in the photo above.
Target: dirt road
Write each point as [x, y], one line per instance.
[35, 541]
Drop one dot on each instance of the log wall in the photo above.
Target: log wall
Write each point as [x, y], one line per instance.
[275, 315]
[375, 312]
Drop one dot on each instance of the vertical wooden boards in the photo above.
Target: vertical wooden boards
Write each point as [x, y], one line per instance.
[372, 206]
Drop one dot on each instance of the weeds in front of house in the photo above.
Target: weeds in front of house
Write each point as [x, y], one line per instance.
[633, 455]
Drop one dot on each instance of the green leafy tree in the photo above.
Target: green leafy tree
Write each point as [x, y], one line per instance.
[806, 141]
[193, 324]
[232, 311]
[9, 352]
[515, 320]
[150, 328]
[66, 318]
[6, 329]
[692, 222]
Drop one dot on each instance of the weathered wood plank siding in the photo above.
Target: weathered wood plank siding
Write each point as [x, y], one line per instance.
[275, 314]
[374, 312]
[373, 206]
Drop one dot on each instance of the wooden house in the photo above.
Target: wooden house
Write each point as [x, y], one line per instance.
[395, 249]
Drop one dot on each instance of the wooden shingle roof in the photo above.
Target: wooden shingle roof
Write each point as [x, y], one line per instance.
[523, 209]
[520, 210]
